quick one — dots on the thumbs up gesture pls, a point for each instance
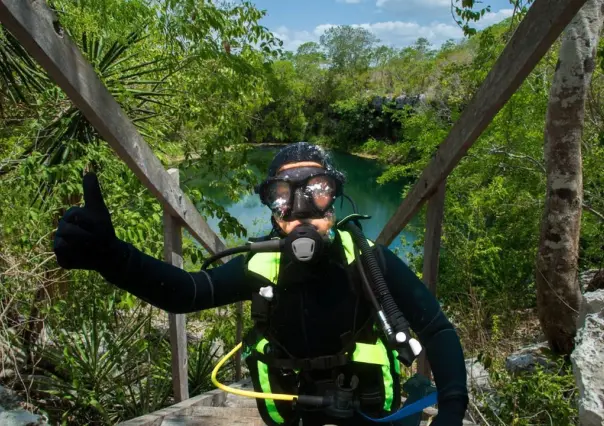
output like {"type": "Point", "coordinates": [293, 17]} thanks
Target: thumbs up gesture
{"type": "Point", "coordinates": [85, 238]}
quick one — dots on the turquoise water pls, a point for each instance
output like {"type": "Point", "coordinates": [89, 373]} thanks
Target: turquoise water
{"type": "Point", "coordinates": [378, 201]}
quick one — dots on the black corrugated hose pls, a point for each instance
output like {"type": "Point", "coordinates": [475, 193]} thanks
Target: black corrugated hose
{"type": "Point", "coordinates": [395, 317]}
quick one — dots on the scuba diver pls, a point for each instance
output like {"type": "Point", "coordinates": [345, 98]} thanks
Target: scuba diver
{"type": "Point", "coordinates": [332, 311]}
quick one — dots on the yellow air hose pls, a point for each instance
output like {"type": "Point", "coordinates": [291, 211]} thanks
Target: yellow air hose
{"type": "Point", "coordinates": [248, 394]}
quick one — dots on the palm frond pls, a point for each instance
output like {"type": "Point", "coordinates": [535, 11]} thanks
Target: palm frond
{"type": "Point", "coordinates": [18, 71]}
{"type": "Point", "coordinates": [115, 64]}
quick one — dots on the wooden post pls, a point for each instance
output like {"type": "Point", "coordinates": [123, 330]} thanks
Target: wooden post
{"type": "Point", "coordinates": [434, 219]}
{"type": "Point", "coordinates": [544, 22]}
{"type": "Point", "coordinates": [238, 337]}
{"type": "Point", "coordinates": [178, 334]}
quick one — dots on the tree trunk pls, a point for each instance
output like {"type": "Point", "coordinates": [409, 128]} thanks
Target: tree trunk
{"type": "Point", "coordinates": [558, 292]}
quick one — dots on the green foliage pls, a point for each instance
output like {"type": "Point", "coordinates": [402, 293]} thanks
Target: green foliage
{"type": "Point", "coordinates": [349, 49]}
{"type": "Point", "coordinates": [138, 87]}
{"type": "Point", "coordinates": [353, 121]}
{"type": "Point", "coordinates": [539, 397]}
{"type": "Point", "coordinates": [113, 367]}
{"type": "Point", "coordinates": [102, 366]}
{"type": "Point", "coordinates": [190, 95]}
{"type": "Point", "coordinates": [468, 11]}
{"type": "Point", "coordinates": [17, 65]}
{"type": "Point", "coordinates": [199, 80]}
{"type": "Point", "coordinates": [202, 359]}
{"type": "Point", "coordinates": [282, 120]}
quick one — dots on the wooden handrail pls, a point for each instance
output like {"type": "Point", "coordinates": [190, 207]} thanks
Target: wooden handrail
{"type": "Point", "coordinates": [544, 22]}
{"type": "Point", "coordinates": [36, 27]}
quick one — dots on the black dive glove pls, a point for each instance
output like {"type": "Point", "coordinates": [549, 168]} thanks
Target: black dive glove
{"type": "Point", "coordinates": [85, 238]}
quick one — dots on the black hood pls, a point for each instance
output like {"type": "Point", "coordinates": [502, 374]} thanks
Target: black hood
{"type": "Point", "coordinates": [303, 151]}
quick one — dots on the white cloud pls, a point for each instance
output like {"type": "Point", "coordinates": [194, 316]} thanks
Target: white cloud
{"type": "Point", "coordinates": [491, 18]}
{"type": "Point", "coordinates": [393, 33]}
{"type": "Point", "coordinates": [349, 1]}
{"type": "Point", "coordinates": [412, 5]}
{"type": "Point", "coordinates": [400, 33]}
{"type": "Point", "coordinates": [292, 39]}
{"type": "Point", "coordinates": [396, 33]}
{"type": "Point", "coordinates": [320, 29]}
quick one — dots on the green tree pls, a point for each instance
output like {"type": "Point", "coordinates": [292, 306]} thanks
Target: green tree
{"type": "Point", "coordinates": [143, 51]}
{"type": "Point", "coordinates": [468, 11]}
{"type": "Point", "coordinates": [558, 289]}
{"type": "Point", "coordinates": [349, 49]}
{"type": "Point", "coordinates": [310, 48]}
{"type": "Point", "coordinates": [282, 120]}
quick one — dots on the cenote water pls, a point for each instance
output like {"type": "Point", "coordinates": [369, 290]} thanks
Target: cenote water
{"type": "Point", "coordinates": [378, 201]}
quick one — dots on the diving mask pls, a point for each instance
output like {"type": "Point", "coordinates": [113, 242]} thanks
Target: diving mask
{"type": "Point", "coordinates": [301, 193]}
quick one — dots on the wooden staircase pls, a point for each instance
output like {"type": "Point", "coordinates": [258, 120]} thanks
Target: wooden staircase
{"type": "Point", "coordinates": [215, 408]}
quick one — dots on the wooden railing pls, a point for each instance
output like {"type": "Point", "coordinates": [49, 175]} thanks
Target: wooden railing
{"type": "Point", "coordinates": [38, 30]}
{"type": "Point", "coordinates": [542, 25]}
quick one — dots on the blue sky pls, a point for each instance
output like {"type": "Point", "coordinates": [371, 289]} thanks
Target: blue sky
{"type": "Point", "coordinates": [396, 23]}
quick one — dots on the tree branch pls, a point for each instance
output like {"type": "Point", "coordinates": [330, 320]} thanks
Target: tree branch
{"type": "Point", "coordinates": [541, 167]}
{"type": "Point", "coordinates": [592, 211]}
{"type": "Point", "coordinates": [533, 160]}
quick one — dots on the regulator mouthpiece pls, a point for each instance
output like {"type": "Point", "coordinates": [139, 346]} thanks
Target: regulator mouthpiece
{"type": "Point", "coordinates": [305, 244]}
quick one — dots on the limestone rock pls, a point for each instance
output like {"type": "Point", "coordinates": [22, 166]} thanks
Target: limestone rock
{"type": "Point", "coordinates": [588, 359]}
{"type": "Point", "coordinates": [478, 377]}
{"type": "Point", "coordinates": [591, 280]}
{"type": "Point", "coordinates": [593, 303]}
{"type": "Point", "coordinates": [20, 418]}
{"type": "Point", "coordinates": [526, 359]}
{"type": "Point", "coordinates": [597, 282]}
{"type": "Point", "coordinates": [11, 413]}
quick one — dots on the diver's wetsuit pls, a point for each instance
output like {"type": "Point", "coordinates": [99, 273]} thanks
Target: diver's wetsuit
{"type": "Point", "coordinates": [325, 308]}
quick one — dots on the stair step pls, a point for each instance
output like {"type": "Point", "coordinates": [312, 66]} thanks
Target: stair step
{"type": "Point", "coordinates": [227, 412]}
{"type": "Point", "coordinates": [211, 421]}
{"type": "Point", "coordinates": [240, 401]}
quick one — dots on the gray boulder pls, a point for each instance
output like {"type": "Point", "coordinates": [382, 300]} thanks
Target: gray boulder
{"type": "Point", "coordinates": [20, 417]}
{"type": "Point", "coordinates": [526, 359]}
{"type": "Point", "coordinates": [401, 101]}
{"type": "Point", "coordinates": [591, 280]}
{"type": "Point", "coordinates": [377, 102]}
{"type": "Point", "coordinates": [585, 277]}
{"type": "Point", "coordinates": [588, 359]}
{"type": "Point", "coordinates": [11, 413]}
{"type": "Point", "coordinates": [478, 377]}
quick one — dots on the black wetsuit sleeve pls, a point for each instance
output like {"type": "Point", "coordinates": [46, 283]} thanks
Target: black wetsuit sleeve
{"type": "Point", "coordinates": [173, 289]}
{"type": "Point", "coordinates": [435, 332]}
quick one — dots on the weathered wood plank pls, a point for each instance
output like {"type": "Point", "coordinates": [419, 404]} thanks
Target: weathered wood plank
{"type": "Point", "coordinates": [238, 337]}
{"type": "Point", "coordinates": [544, 22]}
{"type": "Point", "coordinates": [213, 398]}
{"type": "Point", "coordinates": [434, 219]}
{"type": "Point", "coordinates": [38, 30]}
{"type": "Point", "coordinates": [178, 335]}
{"type": "Point", "coordinates": [212, 421]}
{"type": "Point", "coordinates": [228, 412]}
